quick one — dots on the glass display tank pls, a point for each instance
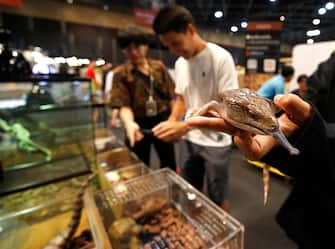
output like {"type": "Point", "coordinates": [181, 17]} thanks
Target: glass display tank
{"type": "Point", "coordinates": [46, 132]}
{"type": "Point", "coordinates": [40, 214]}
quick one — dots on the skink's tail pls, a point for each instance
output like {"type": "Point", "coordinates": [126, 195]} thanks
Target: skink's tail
{"type": "Point", "coordinates": [282, 140]}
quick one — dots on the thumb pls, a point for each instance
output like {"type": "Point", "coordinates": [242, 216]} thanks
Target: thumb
{"type": "Point", "coordinates": [296, 108]}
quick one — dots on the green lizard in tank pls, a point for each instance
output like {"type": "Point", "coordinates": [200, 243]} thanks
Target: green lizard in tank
{"type": "Point", "coordinates": [22, 136]}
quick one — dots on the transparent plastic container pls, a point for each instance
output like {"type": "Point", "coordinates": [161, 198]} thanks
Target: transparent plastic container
{"type": "Point", "coordinates": [106, 140]}
{"type": "Point", "coordinates": [126, 173]}
{"type": "Point", "coordinates": [116, 158]}
{"type": "Point", "coordinates": [159, 210]}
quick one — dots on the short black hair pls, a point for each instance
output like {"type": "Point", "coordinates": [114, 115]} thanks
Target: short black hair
{"type": "Point", "coordinates": [132, 35]}
{"type": "Point", "coordinates": [287, 71]}
{"type": "Point", "coordinates": [172, 18]}
{"type": "Point", "coordinates": [302, 77]}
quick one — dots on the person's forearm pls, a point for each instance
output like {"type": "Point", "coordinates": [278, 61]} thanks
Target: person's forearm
{"type": "Point", "coordinates": [254, 147]}
{"type": "Point", "coordinates": [172, 102]}
{"type": "Point", "coordinates": [178, 109]}
{"type": "Point", "coordinates": [126, 115]}
{"type": "Point", "coordinates": [115, 113]}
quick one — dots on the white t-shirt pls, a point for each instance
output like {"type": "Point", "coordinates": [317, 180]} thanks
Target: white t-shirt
{"type": "Point", "coordinates": [199, 80]}
{"type": "Point", "coordinates": [109, 82]}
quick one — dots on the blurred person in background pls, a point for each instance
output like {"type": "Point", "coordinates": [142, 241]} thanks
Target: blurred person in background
{"type": "Point", "coordinates": [308, 213]}
{"type": "Point", "coordinates": [91, 74]}
{"type": "Point", "coordinates": [276, 85]}
{"type": "Point", "coordinates": [302, 85]}
{"type": "Point", "coordinates": [95, 87]}
{"type": "Point", "coordinates": [202, 71]}
{"type": "Point", "coordinates": [105, 70]}
{"type": "Point", "coordinates": [143, 90]}
{"type": "Point", "coordinates": [114, 112]}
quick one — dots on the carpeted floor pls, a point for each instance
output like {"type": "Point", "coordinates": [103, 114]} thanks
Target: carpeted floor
{"type": "Point", "coordinates": [246, 196]}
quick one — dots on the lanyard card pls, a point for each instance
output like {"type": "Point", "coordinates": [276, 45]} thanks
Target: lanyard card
{"type": "Point", "coordinates": [151, 107]}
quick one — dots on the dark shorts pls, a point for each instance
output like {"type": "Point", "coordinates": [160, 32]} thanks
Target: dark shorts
{"type": "Point", "coordinates": [198, 161]}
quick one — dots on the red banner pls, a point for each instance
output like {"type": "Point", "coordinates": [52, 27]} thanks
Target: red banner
{"type": "Point", "coordinates": [15, 3]}
{"type": "Point", "coordinates": [265, 25]}
{"type": "Point", "coordinates": [144, 17]}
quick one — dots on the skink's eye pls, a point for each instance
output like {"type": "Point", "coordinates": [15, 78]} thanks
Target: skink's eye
{"type": "Point", "coordinates": [253, 115]}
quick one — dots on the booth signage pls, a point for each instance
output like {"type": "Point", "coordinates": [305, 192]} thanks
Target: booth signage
{"type": "Point", "coordinates": [262, 47]}
{"type": "Point", "coordinates": [144, 17]}
{"type": "Point", "coordinates": [145, 11]}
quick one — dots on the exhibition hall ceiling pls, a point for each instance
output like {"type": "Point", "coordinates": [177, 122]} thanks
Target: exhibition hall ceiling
{"type": "Point", "coordinates": [298, 17]}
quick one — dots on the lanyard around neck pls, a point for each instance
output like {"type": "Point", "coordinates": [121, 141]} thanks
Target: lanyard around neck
{"type": "Point", "coordinates": [151, 91]}
{"type": "Point", "coordinates": [151, 80]}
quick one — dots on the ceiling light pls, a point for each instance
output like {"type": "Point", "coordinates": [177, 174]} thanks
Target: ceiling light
{"type": "Point", "coordinates": [322, 11]}
{"type": "Point", "coordinates": [272, 1]}
{"type": "Point", "coordinates": [282, 18]}
{"type": "Point", "coordinates": [59, 60]}
{"type": "Point", "coordinates": [69, 1]}
{"type": "Point", "coordinates": [314, 32]}
{"type": "Point", "coordinates": [330, 5]}
{"type": "Point", "coordinates": [244, 24]}
{"type": "Point", "coordinates": [84, 61]}
{"type": "Point", "coordinates": [72, 61]}
{"type": "Point", "coordinates": [234, 29]}
{"type": "Point", "coordinates": [316, 21]}
{"type": "Point", "coordinates": [310, 41]}
{"type": "Point", "coordinates": [100, 62]}
{"type": "Point", "coordinates": [218, 14]}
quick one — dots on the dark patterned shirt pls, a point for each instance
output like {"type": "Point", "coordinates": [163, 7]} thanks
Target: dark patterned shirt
{"type": "Point", "coordinates": [132, 88]}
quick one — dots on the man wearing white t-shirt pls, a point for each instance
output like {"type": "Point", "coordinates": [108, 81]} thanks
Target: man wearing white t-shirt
{"type": "Point", "coordinates": [202, 71]}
